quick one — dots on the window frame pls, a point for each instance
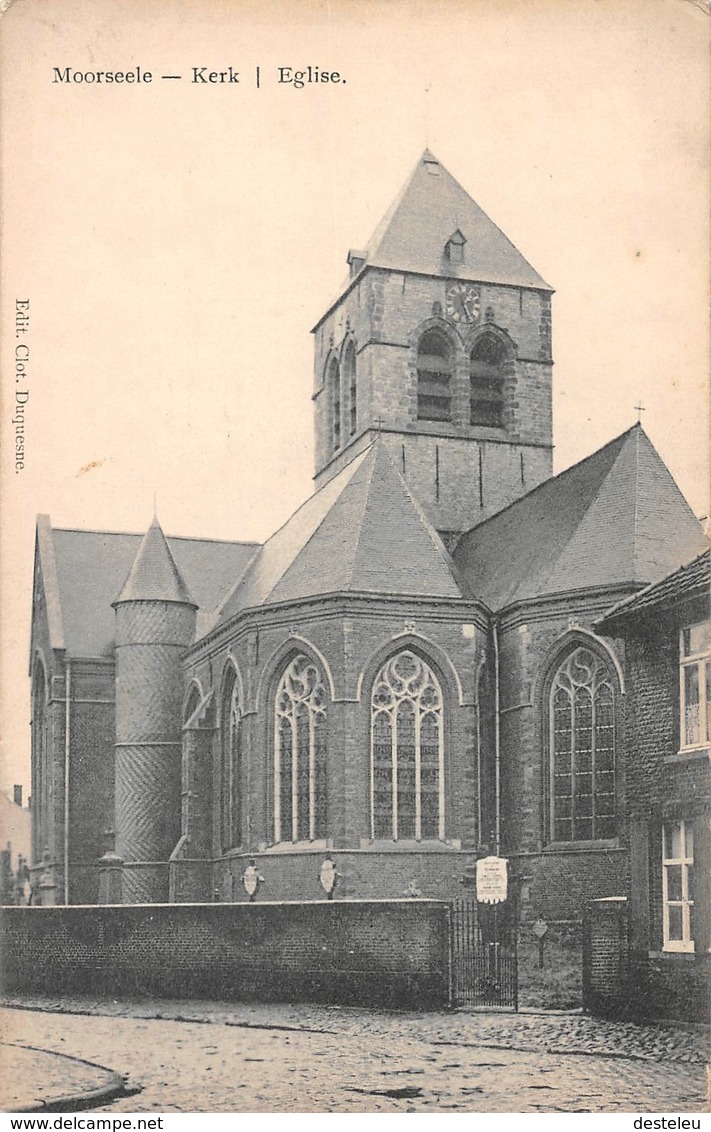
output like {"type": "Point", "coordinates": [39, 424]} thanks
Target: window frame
{"type": "Point", "coordinates": [550, 810]}
{"type": "Point", "coordinates": [685, 862]}
{"type": "Point", "coordinates": [231, 759]}
{"type": "Point", "coordinates": [392, 712]}
{"type": "Point", "coordinates": [701, 661]}
{"type": "Point", "coordinates": [316, 834]}
{"type": "Point", "coordinates": [486, 387]}
{"type": "Point", "coordinates": [435, 384]}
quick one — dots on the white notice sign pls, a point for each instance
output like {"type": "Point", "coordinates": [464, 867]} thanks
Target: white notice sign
{"type": "Point", "coordinates": [491, 880]}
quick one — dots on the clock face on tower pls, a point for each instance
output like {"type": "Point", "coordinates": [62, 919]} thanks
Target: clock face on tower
{"type": "Point", "coordinates": [462, 302]}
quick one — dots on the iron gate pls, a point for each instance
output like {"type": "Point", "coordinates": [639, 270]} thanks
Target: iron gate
{"type": "Point", "coordinates": [484, 959]}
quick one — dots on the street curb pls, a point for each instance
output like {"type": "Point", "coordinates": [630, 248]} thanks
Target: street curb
{"type": "Point", "coordinates": [114, 1088]}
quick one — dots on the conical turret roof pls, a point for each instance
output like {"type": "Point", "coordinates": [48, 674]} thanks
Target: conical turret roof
{"type": "Point", "coordinates": [154, 575]}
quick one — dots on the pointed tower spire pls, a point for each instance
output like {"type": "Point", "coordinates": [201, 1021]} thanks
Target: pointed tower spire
{"type": "Point", "coordinates": [154, 575]}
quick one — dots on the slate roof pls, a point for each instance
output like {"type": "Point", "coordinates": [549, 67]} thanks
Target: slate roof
{"type": "Point", "coordinates": [154, 575]}
{"type": "Point", "coordinates": [85, 571]}
{"type": "Point", "coordinates": [431, 207]}
{"type": "Point", "coordinates": [615, 518]}
{"type": "Point", "coordinates": [361, 532]}
{"type": "Point", "coordinates": [692, 580]}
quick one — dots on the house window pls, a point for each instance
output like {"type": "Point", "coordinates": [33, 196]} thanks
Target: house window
{"type": "Point", "coordinates": [349, 382]}
{"type": "Point", "coordinates": [300, 752]}
{"type": "Point", "coordinates": [582, 750]}
{"type": "Point", "coordinates": [486, 381]}
{"type": "Point", "coordinates": [677, 886]}
{"type": "Point", "coordinates": [434, 372]}
{"type": "Point", "coordinates": [407, 751]}
{"type": "Point", "coordinates": [231, 768]}
{"type": "Point", "coordinates": [695, 685]}
{"type": "Point", "coordinates": [334, 387]}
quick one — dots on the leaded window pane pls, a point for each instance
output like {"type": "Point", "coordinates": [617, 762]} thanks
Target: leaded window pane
{"type": "Point", "coordinates": [301, 751]}
{"type": "Point", "coordinates": [692, 733]}
{"type": "Point", "coordinates": [382, 801]}
{"type": "Point", "coordinates": [582, 792]}
{"type": "Point", "coordinates": [231, 766]}
{"type": "Point", "coordinates": [407, 751]}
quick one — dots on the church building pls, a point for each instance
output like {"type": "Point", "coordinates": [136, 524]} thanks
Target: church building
{"type": "Point", "coordinates": [410, 673]}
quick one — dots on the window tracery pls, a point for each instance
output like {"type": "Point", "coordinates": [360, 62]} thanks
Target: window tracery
{"type": "Point", "coordinates": [582, 749]}
{"type": "Point", "coordinates": [300, 753]}
{"type": "Point", "coordinates": [407, 751]}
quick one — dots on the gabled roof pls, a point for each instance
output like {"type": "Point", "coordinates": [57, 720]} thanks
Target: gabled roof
{"type": "Point", "coordinates": [431, 207]}
{"type": "Point", "coordinates": [361, 532]}
{"type": "Point", "coordinates": [83, 572]}
{"type": "Point", "coordinates": [154, 575]}
{"type": "Point", "coordinates": [690, 581]}
{"type": "Point", "coordinates": [615, 518]}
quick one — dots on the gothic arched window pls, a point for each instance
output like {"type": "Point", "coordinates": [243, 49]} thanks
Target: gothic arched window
{"type": "Point", "coordinates": [486, 381]}
{"type": "Point", "coordinates": [231, 728]}
{"type": "Point", "coordinates": [407, 751]}
{"type": "Point", "coordinates": [582, 749]}
{"type": "Point", "coordinates": [300, 753]}
{"type": "Point", "coordinates": [350, 384]}
{"type": "Point", "coordinates": [334, 393]}
{"type": "Point", "coordinates": [435, 365]}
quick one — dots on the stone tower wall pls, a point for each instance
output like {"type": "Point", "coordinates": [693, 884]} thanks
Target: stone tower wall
{"type": "Point", "coordinates": [151, 637]}
{"type": "Point", "coordinates": [461, 473]}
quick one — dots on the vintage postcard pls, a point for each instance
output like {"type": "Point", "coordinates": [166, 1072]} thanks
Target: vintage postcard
{"type": "Point", "coordinates": [355, 681]}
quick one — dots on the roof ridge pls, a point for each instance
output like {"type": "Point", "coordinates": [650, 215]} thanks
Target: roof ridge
{"type": "Point", "coordinates": [429, 529]}
{"type": "Point", "coordinates": [325, 516]}
{"type": "Point", "coordinates": [141, 534]}
{"type": "Point", "coordinates": [366, 497]}
{"type": "Point", "coordinates": [254, 561]}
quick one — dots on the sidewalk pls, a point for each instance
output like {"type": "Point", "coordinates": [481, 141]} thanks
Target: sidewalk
{"type": "Point", "coordinates": [529, 1031]}
{"type": "Point", "coordinates": [35, 1080]}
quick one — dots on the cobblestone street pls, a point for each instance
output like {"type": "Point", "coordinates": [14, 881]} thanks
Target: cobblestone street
{"type": "Point", "coordinates": [245, 1058]}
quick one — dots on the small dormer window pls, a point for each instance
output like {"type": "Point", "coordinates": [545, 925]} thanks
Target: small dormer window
{"type": "Point", "coordinates": [454, 248]}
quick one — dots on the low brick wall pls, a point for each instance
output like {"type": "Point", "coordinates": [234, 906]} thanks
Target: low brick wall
{"type": "Point", "coordinates": [622, 983]}
{"type": "Point", "coordinates": [377, 953]}
{"type": "Point", "coordinates": [606, 981]}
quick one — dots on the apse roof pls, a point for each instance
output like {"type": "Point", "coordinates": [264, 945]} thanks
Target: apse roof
{"type": "Point", "coordinates": [615, 518]}
{"type": "Point", "coordinates": [361, 532]}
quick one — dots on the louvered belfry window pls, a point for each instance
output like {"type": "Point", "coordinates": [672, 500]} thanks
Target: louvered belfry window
{"type": "Point", "coordinates": [407, 751]}
{"type": "Point", "coordinates": [486, 381]}
{"type": "Point", "coordinates": [300, 753]}
{"type": "Point", "coordinates": [434, 375]}
{"type": "Point", "coordinates": [582, 759]}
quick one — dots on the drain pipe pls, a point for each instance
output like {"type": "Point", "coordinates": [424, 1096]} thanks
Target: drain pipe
{"type": "Point", "coordinates": [67, 696]}
{"type": "Point", "coordinates": [497, 735]}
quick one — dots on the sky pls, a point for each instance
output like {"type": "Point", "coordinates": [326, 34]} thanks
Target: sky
{"type": "Point", "coordinates": [178, 240]}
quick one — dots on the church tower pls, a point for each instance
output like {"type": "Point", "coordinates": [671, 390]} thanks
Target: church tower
{"type": "Point", "coordinates": [155, 623]}
{"type": "Point", "coordinates": [441, 341]}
